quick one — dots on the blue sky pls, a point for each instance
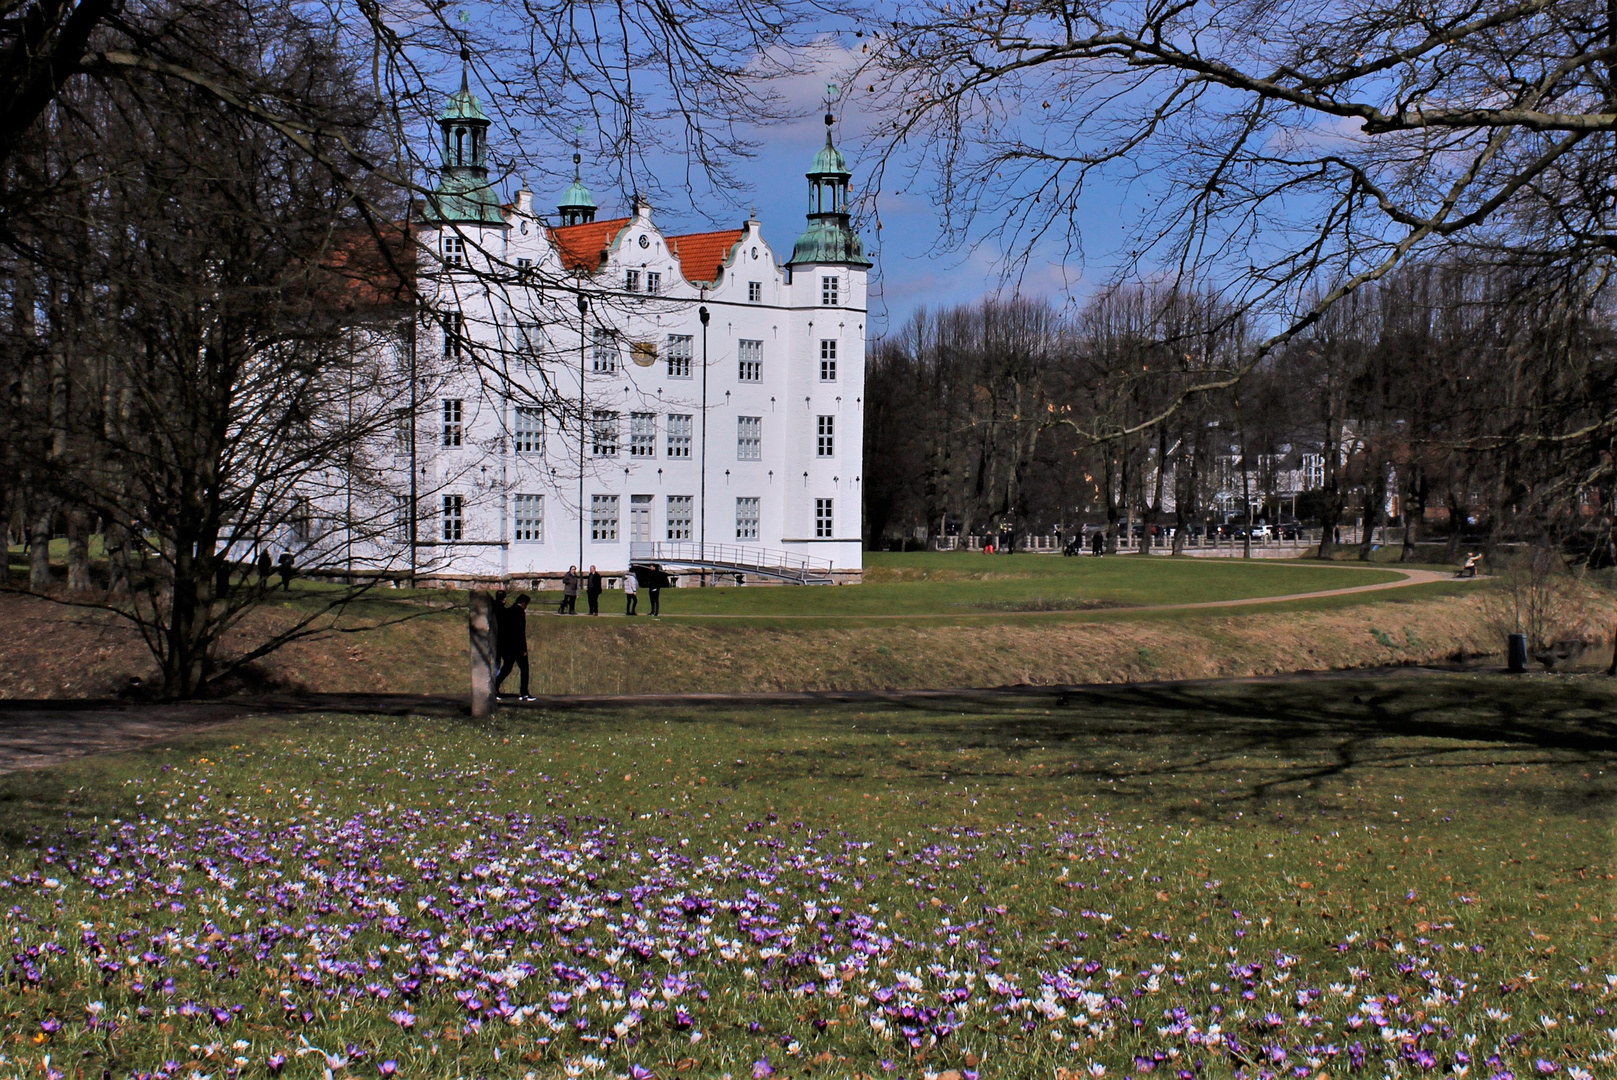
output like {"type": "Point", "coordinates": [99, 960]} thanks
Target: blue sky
{"type": "Point", "coordinates": [912, 269]}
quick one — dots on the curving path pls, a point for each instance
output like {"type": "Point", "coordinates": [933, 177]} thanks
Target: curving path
{"type": "Point", "coordinates": [1410, 577]}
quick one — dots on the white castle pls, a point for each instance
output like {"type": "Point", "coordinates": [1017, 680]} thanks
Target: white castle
{"type": "Point", "coordinates": [602, 393]}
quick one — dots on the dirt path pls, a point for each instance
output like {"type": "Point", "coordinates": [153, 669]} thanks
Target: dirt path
{"type": "Point", "coordinates": [1411, 577]}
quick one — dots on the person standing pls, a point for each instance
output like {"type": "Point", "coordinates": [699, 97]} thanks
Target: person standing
{"type": "Point", "coordinates": [1097, 543]}
{"type": "Point", "coordinates": [286, 570]}
{"type": "Point", "coordinates": [569, 592]}
{"type": "Point", "coordinates": [592, 590]}
{"type": "Point", "coordinates": [266, 567]}
{"type": "Point", "coordinates": [655, 580]}
{"type": "Point", "coordinates": [631, 589]}
{"type": "Point", "coordinates": [512, 643]}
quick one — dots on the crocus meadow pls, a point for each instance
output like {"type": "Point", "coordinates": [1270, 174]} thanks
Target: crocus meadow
{"type": "Point", "coordinates": [357, 898]}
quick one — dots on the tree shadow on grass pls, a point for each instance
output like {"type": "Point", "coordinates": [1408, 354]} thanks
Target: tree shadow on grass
{"type": "Point", "coordinates": [1158, 740]}
{"type": "Point", "coordinates": [1291, 735]}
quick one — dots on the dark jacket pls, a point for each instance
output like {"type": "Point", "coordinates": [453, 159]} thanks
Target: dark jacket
{"type": "Point", "coordinates": [652, 578]}
{"type": "Point", "coordinates": [512, 626]}
{"type": "Point", "coordinates": [594, 587]}
{"type": "Point", "coordinates": [569, 584]}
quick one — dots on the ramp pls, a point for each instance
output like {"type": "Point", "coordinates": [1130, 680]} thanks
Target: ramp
{"type": "Point", "coordinates": [786, 566]}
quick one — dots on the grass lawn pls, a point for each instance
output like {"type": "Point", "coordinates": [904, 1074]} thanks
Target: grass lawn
{"type": "Point", "coordinates": [973, 584]}
{"type": "Point", "coordinates": [970, 583]}
{"type": "Point", "coordinates": [1397, 877]}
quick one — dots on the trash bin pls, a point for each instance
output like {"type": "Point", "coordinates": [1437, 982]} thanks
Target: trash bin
{"type": "Point", "coordinates": [1517, 654]}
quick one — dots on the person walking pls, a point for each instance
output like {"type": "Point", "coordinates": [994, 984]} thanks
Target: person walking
{"type": "Point", "coordinates": [1097, 543]}
{"type": "Point", "coordinates": [631, 589]}
{"type": "Point", "coordinates": [286, 570]}
{"type": "Point", "coordinates": [511, 643]}
{"type": "Point", "coordinates": [592, 590]}
{"type": "Point", "coordinates": [569, 592]}
{"type": "Point", "coordinates": [266, 567]}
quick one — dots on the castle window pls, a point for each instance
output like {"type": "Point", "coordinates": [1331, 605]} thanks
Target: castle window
{"type": "Point", "coordinates": [654, 282]}
{"type": "Point", "coordinates": [755, 292]}
{"type": "Point", "coordinates": [604, 434]}
{"type": "Point", "coordinates": [454, 251]}
{"type": "Point", "coordinates": [825, 444]}
{"type": "Point", "coordinates": [749, 438]}
{"type": "Point", "coordinates": [747, 518]}
{"type": "Point", "coordinates": [828, 360]}
{"type": "Point", "coordinates": [604, 356]}
{"type": "Point", "coordinates": [454, 421]}
{"type": "Point", "coordinates": [454, 334]}
{"type": "Point", "coordinates": [679, 356]}
{"type": "Point", "coordinates": [681, 513]}
{"type": "Point", "coordinates": [750, 361]}
{"type": "Point", "coordinates": [829, 289]}
{"type": "Point", "coordinates": [679, 435]}
{"type": "Point", "coordinates": [454, 522]}
{"type": "Point", "coordinates": [528, 432]}
{"type": "Point", "coordinates": [643, 434]}
{"type": "Point", "coordinates": [604, 518]}
{"type": "Point", "coordinates": [631, 281]}
{"type": "Point", "coordinates": [530, 518]}
{"type": "Point", "coordinates": [823, 520]}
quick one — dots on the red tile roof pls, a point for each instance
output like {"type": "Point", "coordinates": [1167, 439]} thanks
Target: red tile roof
{"type": "Point", "coordinates": [702, 254]}
{"type": "Point", "coordinates": [365, 270]}
{"type": "Point", "coordinates": [583, 247]}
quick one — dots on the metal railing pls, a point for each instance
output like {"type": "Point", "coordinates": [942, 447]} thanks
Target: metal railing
{"type": "Point", "coordinates": [735, 558]}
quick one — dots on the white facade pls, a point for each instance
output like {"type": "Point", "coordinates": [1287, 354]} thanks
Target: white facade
{"type": "Point", "coordinates": [548, 437]}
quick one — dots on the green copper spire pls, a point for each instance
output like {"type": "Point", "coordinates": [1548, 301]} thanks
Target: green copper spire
{"type": "Point", "coordinates": [829, 237]}
{"type": "Point", "coordinates": [577, 205]}
{"type": "Point", "coordinates": [463, 195]}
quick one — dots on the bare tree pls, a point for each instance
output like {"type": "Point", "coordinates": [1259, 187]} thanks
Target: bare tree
{"type": "Point", "coordinates": [1279, 144]}
{"type": "Point", "coordinates": [215, 339]}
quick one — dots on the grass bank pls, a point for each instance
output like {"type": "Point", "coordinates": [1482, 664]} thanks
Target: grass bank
{"type": "Point", "coordinates": [56, 652]}
{"type": "Point", "coordinates": [834, 638]}
{"type": "Point", "coordinates": [1379, 877]}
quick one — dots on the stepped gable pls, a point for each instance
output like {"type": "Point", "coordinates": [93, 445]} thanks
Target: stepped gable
{"type": "Point", "coordinates": [584, 247]}
{"type": "Point", "coordinates": [702, 256]}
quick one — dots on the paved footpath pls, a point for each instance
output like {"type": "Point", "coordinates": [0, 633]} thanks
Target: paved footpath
{"type": "Point", "coordinates": [1410, 577]}
{"type": "Point", "coordinates": [34, 734]}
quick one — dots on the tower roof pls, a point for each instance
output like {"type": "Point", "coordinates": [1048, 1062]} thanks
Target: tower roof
{"type": "Point", "coordinates": [464, 195]}
{"type": "Point", "coordinates": [577, 196]}
{"type": "Point", "coordinates": [829, 237]}
{"type": "Point", "coordinates": [829, 161]}
{"type": "Point", "coordinates": [463, 104]}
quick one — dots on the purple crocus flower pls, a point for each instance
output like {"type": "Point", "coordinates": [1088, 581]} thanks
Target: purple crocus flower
{"type": "Point", "coordinates": [276, 1063]}
{"type": "Point", "coordinates": [762, 1070]}
{"type": "Point", "coordinates": [388, 1067]}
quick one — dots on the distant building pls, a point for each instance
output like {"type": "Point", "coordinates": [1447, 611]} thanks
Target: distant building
{"type": "Point", "coordinates": [590, 388]}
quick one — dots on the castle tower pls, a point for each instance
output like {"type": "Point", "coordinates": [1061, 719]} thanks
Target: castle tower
{"type": "Point", "coordinates": [463, 195]}
{"type": "Point", "coordinates": [829, 238]}
{"type": "Point", "coordinates": [577, 206]}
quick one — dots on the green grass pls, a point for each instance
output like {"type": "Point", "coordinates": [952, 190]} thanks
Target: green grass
{"type": "Point", "coordinates": [1414, 866]}
{"type": "Point", "coordinates": [969, 583]}
{"type": "Point", "coordinates": [973, 584]}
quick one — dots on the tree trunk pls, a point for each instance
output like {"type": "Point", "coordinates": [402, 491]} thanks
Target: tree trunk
{"type": "Point", "coordinates": [39, 552]}
{"type": "Point", "coordinates": [1375, 499]}
{"type": "Point", "coordinates": [116, 539]}
{"type": "Point", "coordinates": [78, 550]}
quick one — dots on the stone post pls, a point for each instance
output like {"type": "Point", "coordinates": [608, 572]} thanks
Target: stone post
{"type": "Point", "coordinates": [484, 652]}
